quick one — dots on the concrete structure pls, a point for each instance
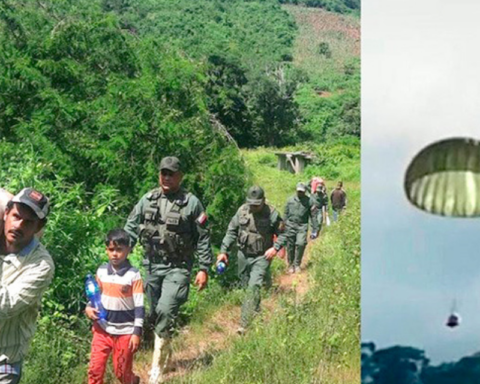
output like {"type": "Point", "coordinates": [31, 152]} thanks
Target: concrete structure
{"type": "Point", "coordinates": [294, 162]}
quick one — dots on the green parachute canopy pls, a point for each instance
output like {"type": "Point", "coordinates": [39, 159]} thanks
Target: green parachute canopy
{"type": "Point", "coordinates": [444, 178]}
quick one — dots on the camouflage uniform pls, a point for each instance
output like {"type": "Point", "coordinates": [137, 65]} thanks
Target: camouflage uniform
{"type": "Point", "coordinates": [318, 200]}
{"type": "Point", "coordinates": [298, 210]}
{"type": "Point", "coordinates": [253, 233]}
{"type": "Point", "coordinates": [171, 228]}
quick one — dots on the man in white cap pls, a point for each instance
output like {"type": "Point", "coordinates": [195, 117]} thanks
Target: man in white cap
{"type": "Point", "coordinates": [298, 211]}
{"type": "Point", "coordinates": [26, 271]}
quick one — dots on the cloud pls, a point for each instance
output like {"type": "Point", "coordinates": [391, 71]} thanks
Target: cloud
{"type": "Point", "coordinates": [420, 80]}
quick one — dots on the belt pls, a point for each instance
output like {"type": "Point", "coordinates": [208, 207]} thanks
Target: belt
{"type": "Point", "coordinates": [164, 259]}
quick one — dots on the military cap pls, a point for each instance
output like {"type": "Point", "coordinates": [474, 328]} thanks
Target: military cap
{"type": "Point", "coordinates": [255, 195]}
{"type": "Point", "coordinates": [171, 163]}
{"type": "Point", "coordinates": [35, 200]}
{"type": "Point", "coordinates": [301, 187]}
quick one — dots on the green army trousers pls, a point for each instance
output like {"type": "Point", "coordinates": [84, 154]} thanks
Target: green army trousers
{"type": "Point", "coordinates": [167, 289]}
{"type": "Point", "coordinates": [296, 243]}
{"type": "Point", "coordinates": [252, 272]}
{"type": "Point", "coordinates": [319, 220]}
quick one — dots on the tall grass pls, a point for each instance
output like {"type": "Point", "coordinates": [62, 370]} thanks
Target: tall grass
{"type": "Point", "coordinates": [303, 342]}
{"type": "Point", "coordinates": [314, 340]}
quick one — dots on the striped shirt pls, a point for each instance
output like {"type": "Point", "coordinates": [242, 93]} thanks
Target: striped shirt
{"type": "Point", "coordinates": [11, 369]}
{"type": "Point", "coordinates": [24, 277]}
{"type": "Point", "coordinates": [122, 298]}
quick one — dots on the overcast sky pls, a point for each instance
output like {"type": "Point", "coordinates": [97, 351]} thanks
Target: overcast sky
{"type": "Point", "coordinates": [420, 84]}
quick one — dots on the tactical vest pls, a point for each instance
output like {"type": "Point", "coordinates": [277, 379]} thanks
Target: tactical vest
{"type": "Point", "coordinates": [256, 233]}
{"type": "Point", "coordinates": [299, 211]}
{"type": "Point", "coordinates": [165, 235]}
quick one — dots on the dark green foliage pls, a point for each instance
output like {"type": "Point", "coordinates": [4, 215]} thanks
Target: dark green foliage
{"type": "Point", "coordinates": [242, 43]}
{"type": "Point", "coordinates": [60, 351]}
{"type": "Point", "coordinates": [87, 110]}
{"type": "Point", "coordinates": [324, 49]}
{"type": "Point", "coordinates": [341, 6]}
{"type": "Point", "coordinates": [327, 118]}
{"type": "Point", "coordinates": [103, 106]}
{"type": "Point", "coordinates": [273, 98]}
{"type": "Point", "coordinates": [336, 160]}
{"type": "Point", "coordinates": [407, 365]}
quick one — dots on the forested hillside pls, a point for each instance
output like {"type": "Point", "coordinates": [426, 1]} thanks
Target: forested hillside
{"type": "Point", "coordinates": [255, 87]}
{"type": "Point", "coordinates": [94, 93]}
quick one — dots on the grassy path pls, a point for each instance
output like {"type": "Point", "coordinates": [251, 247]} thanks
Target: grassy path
{"type": "Point", "coordinates": [196, 347]}
{"type": "Point", "coordinates": [308, 329]}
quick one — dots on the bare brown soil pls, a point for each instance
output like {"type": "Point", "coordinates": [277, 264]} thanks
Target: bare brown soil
{"type": "Point", "coordinates": [324, 93]}
{"type": "Point", "coordinates": [324, 23]}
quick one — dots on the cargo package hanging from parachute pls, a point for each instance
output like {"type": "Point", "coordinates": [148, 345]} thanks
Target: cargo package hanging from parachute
{"type": "Point", "coordinates": [444, 179]}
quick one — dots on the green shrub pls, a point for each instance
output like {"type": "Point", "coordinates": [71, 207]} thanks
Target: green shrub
{"type": "Point", "coordinates": [59, 352]}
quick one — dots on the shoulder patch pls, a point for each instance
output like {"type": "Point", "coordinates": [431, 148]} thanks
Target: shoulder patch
{"type": "Point", "coordinates": [154, 194]}
{"type": "Point", "coordinates": [182, 201]}
{"type": "Point", "coordinates": [202, 219]}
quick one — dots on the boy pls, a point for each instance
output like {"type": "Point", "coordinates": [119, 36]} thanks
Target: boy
{"type": "Point", "coordinates": [122, 297]}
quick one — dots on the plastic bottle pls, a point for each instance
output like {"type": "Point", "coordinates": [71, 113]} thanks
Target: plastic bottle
{"type": "Point", "coordinates": [221, 267]}
{"type": "Point", "coordinates": [93, 294]}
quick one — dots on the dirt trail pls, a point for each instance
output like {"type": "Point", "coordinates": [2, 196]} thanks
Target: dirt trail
{"type": "Point", "coordinates": [193, 349]}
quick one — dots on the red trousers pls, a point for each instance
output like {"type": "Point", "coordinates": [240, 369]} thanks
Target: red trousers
{"type": "Point", "coordinates": [102, 345]}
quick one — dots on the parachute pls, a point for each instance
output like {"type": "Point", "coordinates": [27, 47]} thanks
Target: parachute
{"type": "Point", "coordinates": [444, 178]}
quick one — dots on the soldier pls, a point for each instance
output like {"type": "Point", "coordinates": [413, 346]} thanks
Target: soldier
{"type": "Point", "coordinates": [319, 199]}
{"type": "Point", "coordinates": [172, 226]}
{"type": "Point", "coordinates": [253, 228]}
{"type": "Point", "coordinates": [298, 210]}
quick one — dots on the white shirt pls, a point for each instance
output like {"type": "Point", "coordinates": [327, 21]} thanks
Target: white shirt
{"type": "Point", "coordinates": [24, 277]}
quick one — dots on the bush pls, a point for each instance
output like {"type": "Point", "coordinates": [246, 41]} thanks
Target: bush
{"type": "Point", "coordinates": [59, 352]}
{"type": "Point", "coordinates": [87, 111]}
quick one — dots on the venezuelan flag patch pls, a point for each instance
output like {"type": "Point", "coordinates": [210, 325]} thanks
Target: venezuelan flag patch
{"type": "Point", "coordinates": [202, 219]}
